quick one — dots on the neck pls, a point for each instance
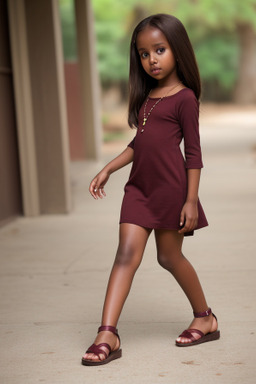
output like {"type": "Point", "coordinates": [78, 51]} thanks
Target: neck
{"type": "Point", "coordinates": [166, 90]}
{"type": "Point", "coordinates": [168, 83]}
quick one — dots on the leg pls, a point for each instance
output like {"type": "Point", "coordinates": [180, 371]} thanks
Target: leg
{"type": "Point", "coordinates": [170, 257]}
{"type": "Point", "coordinates": [132, 242]}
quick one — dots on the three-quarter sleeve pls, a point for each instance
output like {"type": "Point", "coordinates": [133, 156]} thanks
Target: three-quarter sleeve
{"type": "Point", "coordinates": [188, 114]}
{"type": "Point", "coordinates": [131, 144]}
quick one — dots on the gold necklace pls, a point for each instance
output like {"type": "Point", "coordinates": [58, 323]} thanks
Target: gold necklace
{"type": "Point", "coordinates": [145, 118]}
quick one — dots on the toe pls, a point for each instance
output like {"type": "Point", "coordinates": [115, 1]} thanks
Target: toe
{"type": "Point", "coordinates": [183, 340]}
{"type": "Point", "coordinates": [90, 356]}
{"type": "Point", "coordinates": [95, 358]}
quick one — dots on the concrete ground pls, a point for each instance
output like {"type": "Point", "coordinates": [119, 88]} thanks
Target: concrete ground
{"type": "Point", "coordinates": [54, 270]}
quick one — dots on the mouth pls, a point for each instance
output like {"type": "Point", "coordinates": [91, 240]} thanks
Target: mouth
{"type": "Point", "coordinates": [155, 71]}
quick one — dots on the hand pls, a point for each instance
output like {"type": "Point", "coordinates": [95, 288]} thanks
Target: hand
{"type": "Point", "coordinates": [188, 217]}
{"type": "Point", "coordinates": [96, 187]}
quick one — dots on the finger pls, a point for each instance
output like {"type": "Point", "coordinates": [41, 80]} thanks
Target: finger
{"type": "Point", "coordinates": [95, 193]}
{"type": "Point", "coordinates": [182, 218]}
{"type": "Point", "coordinates": [183, 230]}
{"type": "Point", "coordinates": [186, 227]}
{"type": "Point", "coordinates": [182, 222]}
{"type": "Point", "coordinates": [102, 192]}
{"type": "Point", "coordinates": [193, 225]}
{"type": "Point", "coordinates": [99, 192]}
{"type": "Point", "coordinates": [93, 189]}
{"type": "Point", "coordinates": [189, 224]}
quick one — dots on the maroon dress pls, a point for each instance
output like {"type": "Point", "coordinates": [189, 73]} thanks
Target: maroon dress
{"type": "Point", "coordinates": [157, 187]}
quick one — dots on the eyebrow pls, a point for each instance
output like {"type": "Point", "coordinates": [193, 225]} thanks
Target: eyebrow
{"type": "Point", "coordinates": [154, 45]}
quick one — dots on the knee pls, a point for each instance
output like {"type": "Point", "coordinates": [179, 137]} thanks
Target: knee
{"type": "Point", "coordinates": [164, 261]}
{"type": "Point", "coordinates": [168, 261]}
{"type": "Point", "coordinates": [127, 257]}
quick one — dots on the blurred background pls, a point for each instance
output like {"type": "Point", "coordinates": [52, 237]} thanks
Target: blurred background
{"type": "Point", "coordinates": [64, 80]}
{"type": "Point", "coordinates": [63, 115]}
{"type": "Point", "coordinates": [222, 33]}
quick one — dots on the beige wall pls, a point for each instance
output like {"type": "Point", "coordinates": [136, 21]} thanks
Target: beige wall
{"type": "Point", "coordinates": [49, 104]}
{"type": "Point", "coordinates": [10, 190]}
{"type": "Point", "coordinates": [38, 104]}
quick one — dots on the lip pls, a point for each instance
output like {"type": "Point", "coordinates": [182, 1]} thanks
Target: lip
{"type": "Point", "coordinates": [155, 71]}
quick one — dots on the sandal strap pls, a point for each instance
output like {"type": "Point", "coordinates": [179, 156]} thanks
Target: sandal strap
{"type": "Point", "coordinates": [203, 314]}
{"type": "Point", "coordinates": [188, 334]}
{"type": "Point", "coordinates": [110, 329]}
{"type": "Point", "coordinates": [97, 350]}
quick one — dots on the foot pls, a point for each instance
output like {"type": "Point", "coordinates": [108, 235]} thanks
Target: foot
{"type": "Point", "coordinates": [207, 324]}
{"type": "Point", "coordinates": [103, 337]}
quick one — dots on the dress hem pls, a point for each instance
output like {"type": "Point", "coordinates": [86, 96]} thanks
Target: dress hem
{"type": "Point", "coordinates": [191, 233]}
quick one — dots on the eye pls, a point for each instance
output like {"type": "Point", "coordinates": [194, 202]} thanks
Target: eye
{"type": "Point", "coordinates": [160, 50]}
{"type": "Point", "coordinates": [144, 55]}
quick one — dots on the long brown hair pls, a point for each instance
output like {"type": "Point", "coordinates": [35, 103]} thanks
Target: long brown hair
{"type": "Point", "coordinates": [140, 83]}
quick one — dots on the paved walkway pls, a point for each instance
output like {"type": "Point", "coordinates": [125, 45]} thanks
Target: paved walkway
{"type": "Point", "coordinates": [54, 270]}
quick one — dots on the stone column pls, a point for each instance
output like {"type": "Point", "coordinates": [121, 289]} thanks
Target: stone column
{"type": "Point", "coordinates": [24, 109]}
{"type": "Point", "coordinates": [44, 127]}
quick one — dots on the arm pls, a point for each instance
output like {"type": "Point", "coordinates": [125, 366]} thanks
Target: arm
{"type": "Point", "coordinates": [189, 213]}
{"type": "Point", "coordinates": [99, 181]}
{"type": "Point", "coordinates": [188, 112]}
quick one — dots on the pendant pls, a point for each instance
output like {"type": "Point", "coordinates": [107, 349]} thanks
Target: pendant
{"type": "Point", "coordinates": [142, 130]}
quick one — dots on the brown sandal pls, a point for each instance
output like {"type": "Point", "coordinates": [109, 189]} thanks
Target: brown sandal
{"type": "Point", "coordinates": [97, 349]}
{"type": "Point", "coordinates": [188, 333]}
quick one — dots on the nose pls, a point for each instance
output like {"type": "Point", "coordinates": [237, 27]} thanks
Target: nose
{"type": "Point", "coordinates": [152, 58]}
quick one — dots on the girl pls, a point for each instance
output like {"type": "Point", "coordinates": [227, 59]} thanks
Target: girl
{"type": "Point", "coordinates": [162, 191]}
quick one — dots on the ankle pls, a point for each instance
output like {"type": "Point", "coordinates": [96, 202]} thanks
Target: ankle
{"type": "Point", "coordinates": [206, 313]}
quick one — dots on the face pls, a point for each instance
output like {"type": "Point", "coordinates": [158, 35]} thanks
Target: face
{"type": "Point", "coordinates": [156, 55]}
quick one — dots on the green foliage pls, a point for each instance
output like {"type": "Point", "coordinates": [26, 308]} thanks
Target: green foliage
{"type": "Point", "coordinates": [212, 26]}
{"type": "Point", "coordinates": [112, 44]}
{"type": "Point", "coordinates": [113, 136]}
{"type": "Point", "coordinates": [112, 55]}
{"type": "Point", "coordinates": [68, 29]}
{"type": "Point", "coordinates": [217, 58]}
{"type": "Point", "coordinates": [226, 14]}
